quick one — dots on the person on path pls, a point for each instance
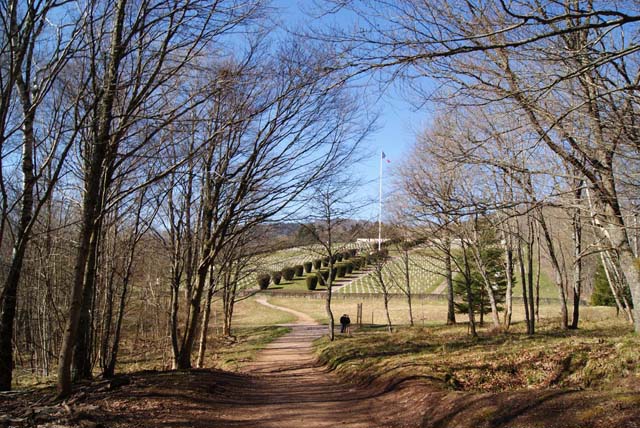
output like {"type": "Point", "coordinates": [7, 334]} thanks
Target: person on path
{"type": "Point", "coordinates": [344, 323]}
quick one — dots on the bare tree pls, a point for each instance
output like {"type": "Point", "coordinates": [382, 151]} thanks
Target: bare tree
{"type": "Point", "coordinates": [144, 60]}
{"type": "Point", "coordinates": [565, 68]}
{"type": "Point", "coordinates": [36, 53]}
{"type": "Point", "coordinates": [284, 121]}
{"type": "Point", "coordinates": [331, 203]}
{"type": "Point", "coordinates": [383, 284]}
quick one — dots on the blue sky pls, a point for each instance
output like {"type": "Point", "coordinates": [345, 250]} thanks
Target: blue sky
{"type": "Point", "coordinates": [397, 126]}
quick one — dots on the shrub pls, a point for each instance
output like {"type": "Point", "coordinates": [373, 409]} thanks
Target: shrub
{"type": "Point", "coordinates": [299, 270]}
{"type": "Point", "coordinates": [339, 257]}
{"type": "Point", "coordinates": [288, 273]}
{"type": "Point", "coordinates": [353, 252]}
{"type": "Point", "coordinates": [325, 261]}
{"type": "Point", "coordinates": [334, 272]}
{"type": "Point", "coordinates": [349, 266]}
{"type": "Point", "coordinates": [307, 266]}
{"type": "Point", "coordinates": [346, 255]}
{"type": "Point", "coordinates": [263, 281]}
{"type": "Point", "coordinates": [384, 253]}
{"type": "Point", "coordinates": [312, 281]}
{"type": "Point", "coordinates": [317, 264]}
{"type": "Point", "coordinates": [324, 273]}
{"type": "Point", "coordinates": [355, 262]}
{"type": "Point", "coordinates": [276, 276]}
{"type": "Point", "coordinates": [341, 270]}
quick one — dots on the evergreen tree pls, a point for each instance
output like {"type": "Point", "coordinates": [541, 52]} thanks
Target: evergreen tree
{"type": "Point", "coordinates": [492, 255]}
{"type": "Point", "coordinates": [602, 294]}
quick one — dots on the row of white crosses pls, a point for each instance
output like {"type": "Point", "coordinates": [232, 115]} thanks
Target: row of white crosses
{"type": "Point", "coordinates": [423, 275]}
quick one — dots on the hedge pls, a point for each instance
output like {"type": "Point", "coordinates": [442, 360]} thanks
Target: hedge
{"type": "Point", "coordinates": [317, 264]}
{"type": "Point", "coordinates": [263, 281]}
{"type": "Point", "coordinates": [276, 276]}
{"type": "Point", "coordinates": [312, 281]}
{"type": "Point", "coordinates": [356, 262]}
{"type": "Point", "coordinates": [349, 266]}
{"type": "Point", "coordinates": [299, 270]}
{"type": "Point", "coordinates": [341, 270]}
{"type": "Point", "coordinates": [288, 273]}
{"type": "Point", "coordinates": [307, 266]}
{"type": "Point", "coordinates": [324, 273]}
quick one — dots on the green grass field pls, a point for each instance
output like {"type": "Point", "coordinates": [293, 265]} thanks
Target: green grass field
{"type": "Point", "coordinates": [425, 274]}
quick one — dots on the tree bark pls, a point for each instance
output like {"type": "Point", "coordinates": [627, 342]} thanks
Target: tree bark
{"type": "Point", "coordinates": [448, 272]}
{"type": "Point", "coordinates": [564, 314]}
{"type": "Point", "coordinates": [577, 265]}
{"type": "Point", "coordinates": [204, 329]}
{"type": "Point", "coordinates": [509, 270]}
{"type": "Point", "coordinates": [407, 284]}
{"type": "Point", "coordinates": [82, 364]}
{"type": "Point", "coordinates": [467, 281]}
{"type": "Point", "coordinates": [91, 200]}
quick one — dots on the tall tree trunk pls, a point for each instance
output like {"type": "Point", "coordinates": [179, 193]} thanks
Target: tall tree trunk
{"type": "Point", "coordinates": [191, 328]}
{"type": "Point", "coordinates": [530, 244]}
{"type": "Point", "coordinates": [91, 199]}
{"type": "Point", "coordinates": [564, 314]}
{"type": "Point", "coordinates": [509, 292]}
{"type": "Point", "coordinates": [327, 303]}
{"type": "Point", "coordinates": [448, 273]}
{"type": "Point", "coordinates": [173, 319]}
{"type": "Point", "coordinates": [577, 266]}
{"type": "Point", "coordinates": [386, 311]}
{"type": "Point", "coordinates": [523, 280]}
{"type": "Point", "coordinates": [82, 364]}
{"type": "Point", "coordinates": [204, 329]}
{"type": "Point", "coordinates": [467, 282]}
{"type": "Point", "coordinates": [110, 368]}
{"type": "Point", "coordinates": [10, 286]}
{"type": "Point", "coordinates": [407, 284]}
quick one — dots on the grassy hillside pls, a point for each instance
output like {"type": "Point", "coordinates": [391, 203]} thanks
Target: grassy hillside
{"type": "Point", "coordinates": [602, 352]}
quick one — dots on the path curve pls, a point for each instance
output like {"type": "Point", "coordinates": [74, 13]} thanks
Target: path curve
{"type": "Point", "coordinates": [284, 387]}
{"type": "Point", "coordinates": [301, 392]}
{"type": "Point", "coordinates": [302, 317]}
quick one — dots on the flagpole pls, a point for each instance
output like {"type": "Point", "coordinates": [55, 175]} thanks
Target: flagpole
{"type": "Point", "coordinates": [380, 205]}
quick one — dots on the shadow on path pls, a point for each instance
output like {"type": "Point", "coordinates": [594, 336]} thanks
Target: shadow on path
{"type": "Point", "coordinates": [284, 387]}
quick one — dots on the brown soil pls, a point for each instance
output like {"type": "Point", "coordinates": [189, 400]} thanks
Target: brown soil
{"type": "Point", "coordinates": [286, 387]}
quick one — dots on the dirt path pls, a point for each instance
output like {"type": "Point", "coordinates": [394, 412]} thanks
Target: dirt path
{"type": "Point", "coordinates": [293, 386]}
{"type": "Point", "coordinates": [284, 387]}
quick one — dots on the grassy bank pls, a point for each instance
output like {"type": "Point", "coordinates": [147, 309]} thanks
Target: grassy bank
{"type": "Point", "coordinates": [601, 353]}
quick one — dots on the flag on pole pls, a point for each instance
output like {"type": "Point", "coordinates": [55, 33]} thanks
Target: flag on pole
{"type": "Point", "coordinates": [384, 156]}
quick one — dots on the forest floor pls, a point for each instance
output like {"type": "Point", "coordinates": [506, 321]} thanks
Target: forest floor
{"type": "Point", "coordinates": [285, 386]}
